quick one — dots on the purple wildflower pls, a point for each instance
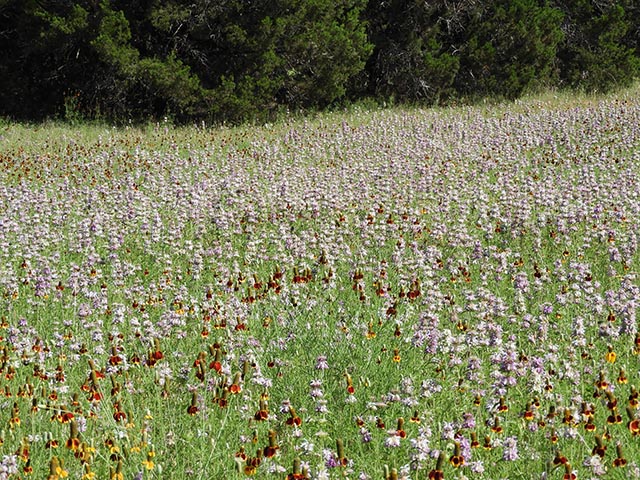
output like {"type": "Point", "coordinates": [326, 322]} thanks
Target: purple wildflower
{"type": "Point", "coordinates": [469, 420]}
{"type": "Point", "coordinates": [510, 449]}
{"type": "Point", "coordinates": [321, 363]}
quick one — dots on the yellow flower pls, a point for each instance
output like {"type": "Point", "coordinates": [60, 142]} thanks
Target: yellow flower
{"type": "Point", "coordinates": [116, 474]}
{"type": "Point", "coordinates": [88, 475]}
{"type": "Point", "coordinates": [370, 333]}
{"type": "Point", "coordinates": [610, 355]}
{"type": "Point", "coordinates": [396, 355]}
{"type": "Point", "coordinates": [148, 463]}
{"type": "Point", "coordinates": [56, 472]}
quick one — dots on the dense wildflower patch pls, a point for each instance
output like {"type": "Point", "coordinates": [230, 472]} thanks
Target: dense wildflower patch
{"type": "Point", "coordinates": [403, 294]}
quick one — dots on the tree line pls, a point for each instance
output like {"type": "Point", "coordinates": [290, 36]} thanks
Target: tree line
{"type": "Point", "coordinates": [238, 60]}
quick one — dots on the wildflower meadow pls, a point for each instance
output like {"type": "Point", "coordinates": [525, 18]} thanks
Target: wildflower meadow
{"type": "Point", "coordinates": [393, 294]}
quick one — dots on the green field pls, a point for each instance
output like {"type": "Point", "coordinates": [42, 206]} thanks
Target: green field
{"type": "Point", "coordinates": [403, 293]}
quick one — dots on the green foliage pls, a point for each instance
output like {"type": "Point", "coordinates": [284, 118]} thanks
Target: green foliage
{"type": "Point", "coordinates": [151, 85]}
{"type": "Point", "coordinates": [169, 82]}
{"type": "Point", "coordinates": [411, 60]}
{"type": "Point", "coordinates": [235, 60]}
{"type": "Point", "coordinates": [38, 48]}
{"type": "Point", "coordinates": [112, 42]}
{"type": "Point", "coordinates": [258, 57]}
{"type": "Point", "coordinates": [511, 49]}
{"type": "Point", "coordinates": [74, 21]}
{"type": "Point", "coordinates": [132, 256]}
{"type": "Point", "coordinates": [89, 66]}
{"type": "Point", "coordinates": [322, 44]}
{"type": "Point", "coordinates": [597, 54]}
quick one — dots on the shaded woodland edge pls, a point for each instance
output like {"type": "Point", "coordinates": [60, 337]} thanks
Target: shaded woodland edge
{"type": "Point", "coordinates": [251, 60]}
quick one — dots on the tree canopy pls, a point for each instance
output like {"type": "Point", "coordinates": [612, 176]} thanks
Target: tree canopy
{"type": "Point", "coordinates": [237, 60]}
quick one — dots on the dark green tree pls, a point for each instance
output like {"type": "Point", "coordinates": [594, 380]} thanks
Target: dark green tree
{"type": "Point", "coordinates": [257, 57]}
{"type": "Point", "coordinates": [36, 59]}
{"type": "Point", "coordinates": [75, 59]}
{"type": "Point", "coordinates": [413, 59]}
{"type": "Point", "coordinates": [510, 47]}
{"type": "Point", "coordinates": [632, 38]}
{"type": "Point", "coordinates": [322, 44]}
{"type": "Point", "coordinates": [235, 60]}
{"type": "Point", "coordinates": [600, 51]}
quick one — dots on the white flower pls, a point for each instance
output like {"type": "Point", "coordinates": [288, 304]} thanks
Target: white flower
{"type": "Point", "coordinates": [392, 441]}
{"type": "Point", "coordinates": [322, 474]}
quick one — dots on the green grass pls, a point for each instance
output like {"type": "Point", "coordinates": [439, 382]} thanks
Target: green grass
{"type": "Point", "coordinates": [117, 244]}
